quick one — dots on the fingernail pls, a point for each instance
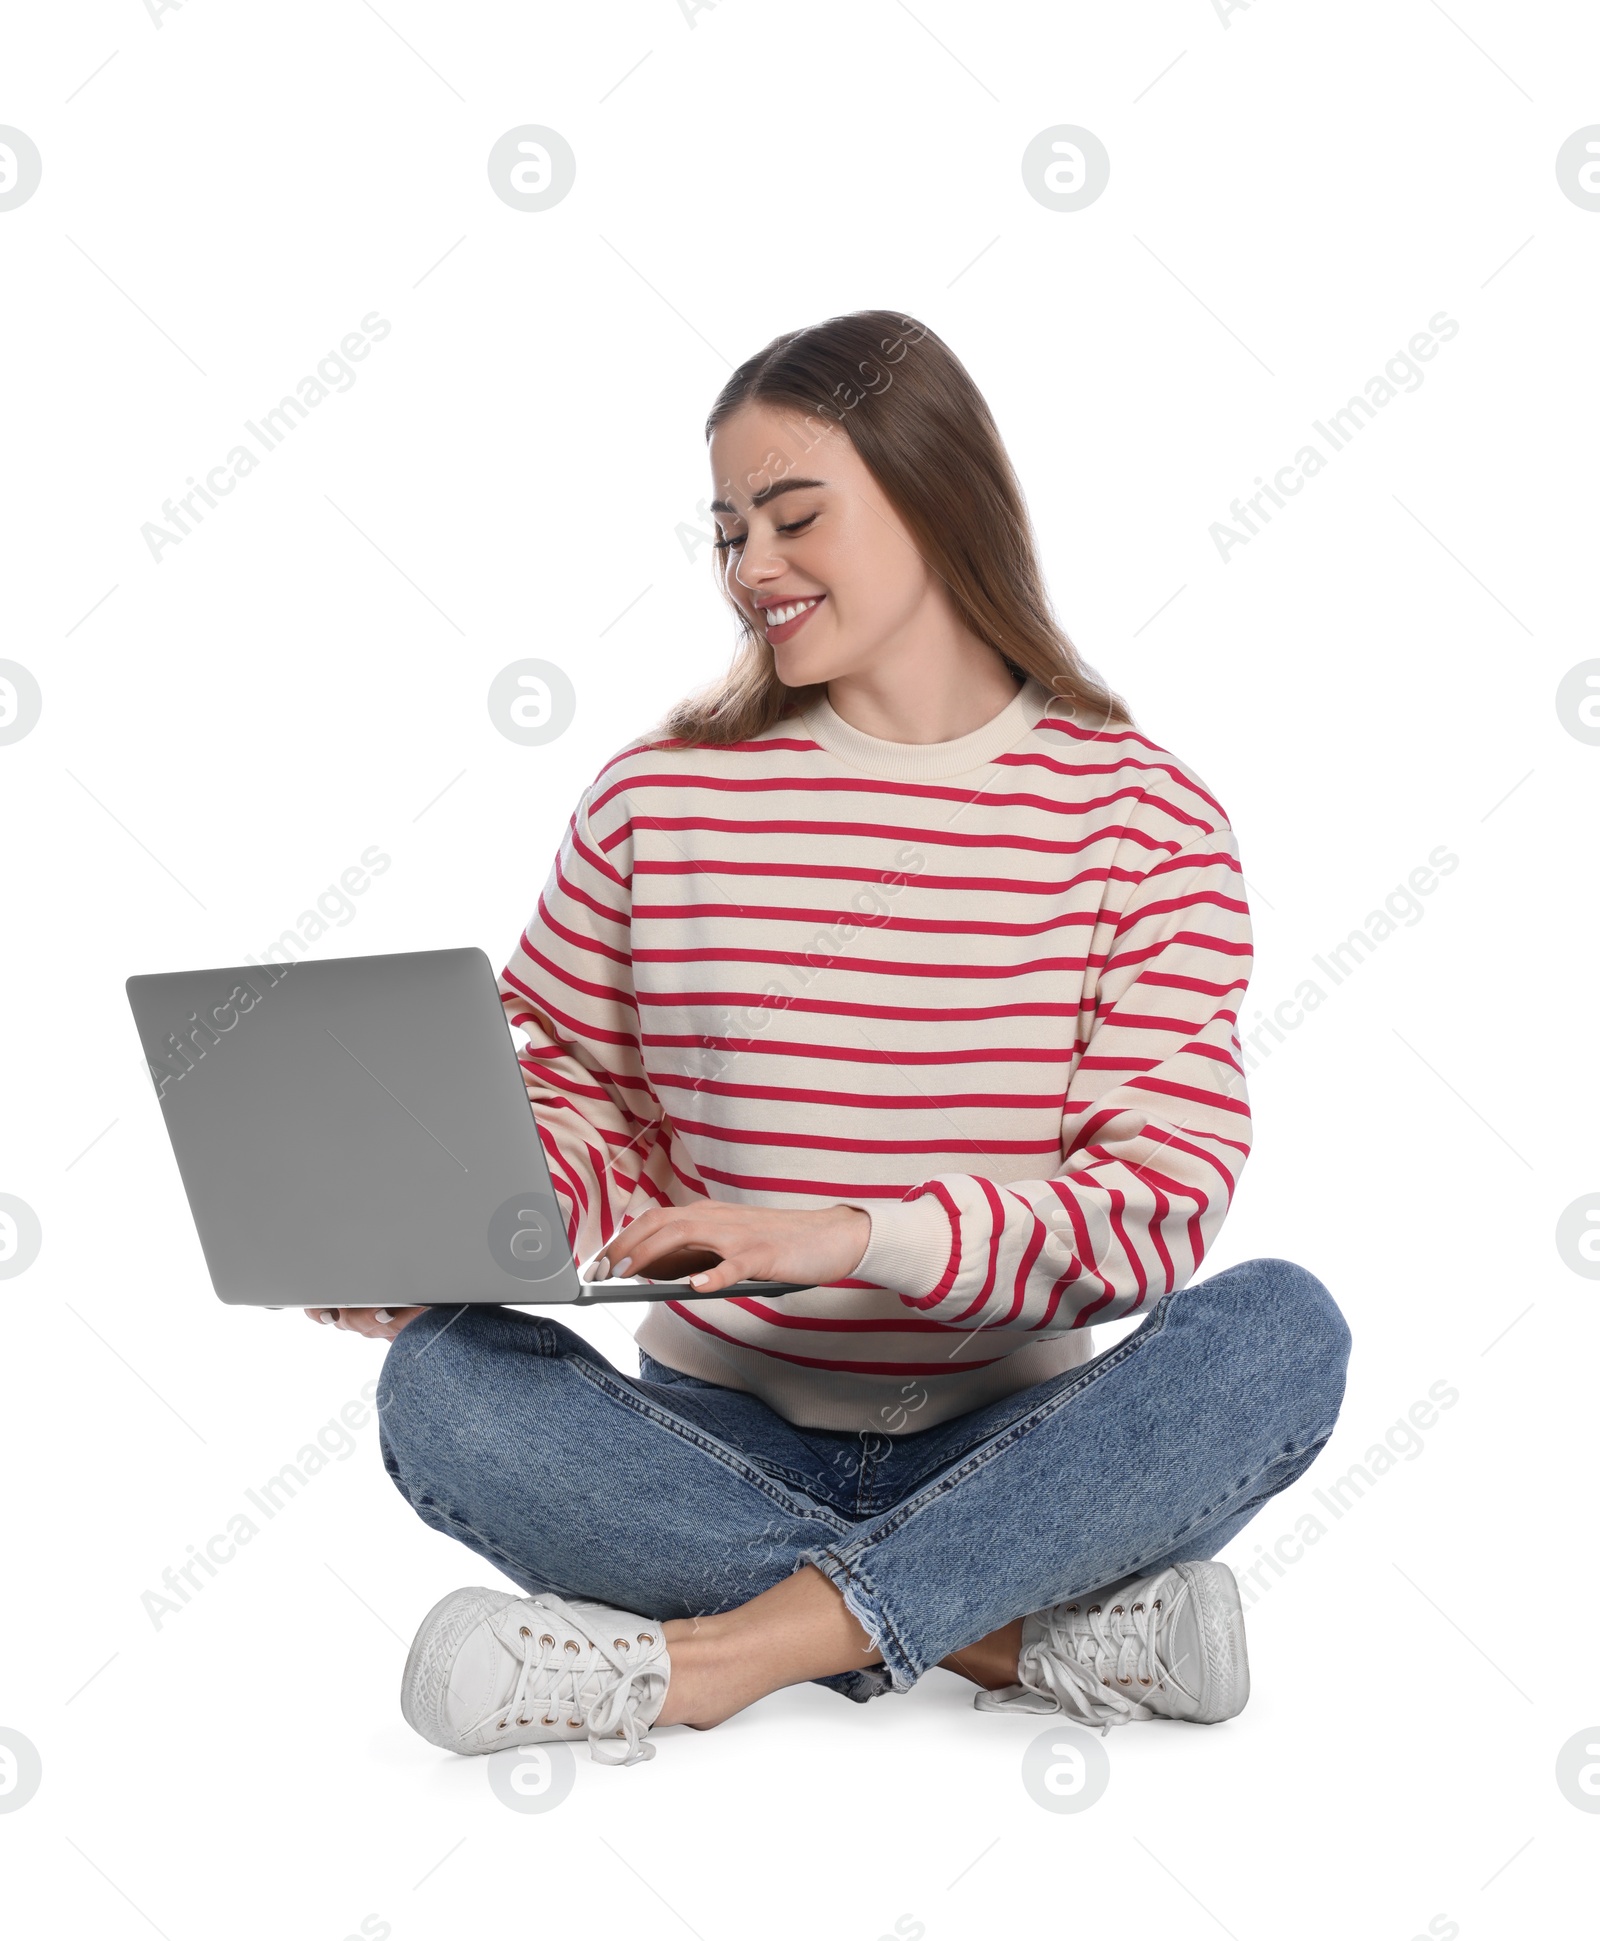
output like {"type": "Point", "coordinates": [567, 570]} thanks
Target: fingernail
{"type": "Point", "coordinates": [383, 1314]}
{"type": "Point", "coordinates": [696, 1279]}
{"type": "Point", "coordinates": [623, 1265]}
{"type": "Point", "coordinates": [325, 1317]}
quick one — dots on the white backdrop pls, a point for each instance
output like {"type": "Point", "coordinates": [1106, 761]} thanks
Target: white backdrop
{"type": "Point", "coordinates": [1392, 669]}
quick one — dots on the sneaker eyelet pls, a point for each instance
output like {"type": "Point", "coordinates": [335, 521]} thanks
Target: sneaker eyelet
{"type": "Point", "coordinates": [1117, 1608]}
{"type": "Point", "coordinates": [1139, 1606]}
{"type": "Point", "coordinates": [571, 1646]}
{"type": "Point", "coordinates": [620, 1643]}
{"type": "Point", "coordinates": [545, 1638]}
{"type": "Point", "coordinates": [1157, 1605]}
{"type": "Point", "coordinates": [523, 1631]}
{"type": "Point", "coordinates": [646, 1637]}
{"type": "Point", "coordinates": [1123, 1681]}
{"type": "Point", "coordinates": [1093, 1608]}
{"type": "Point", "coordinates": [549, 1721]}
{"type": "Point", "coordinates": [502, 1725]}
{"type": "Point", "coordinates": [524, 1721]}
{"type": "Point", "coordinates": [1144, 1681]}
{"type": "Point", "coordinates": [573, 1724]}
{"type": "Point", "coordinates": [1072, 1607]}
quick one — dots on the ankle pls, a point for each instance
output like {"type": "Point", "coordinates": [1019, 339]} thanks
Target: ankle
{"type": "Point", "coordinates": [698, 1684]}
{"type": "Point", "coordinates": [992, 1661]}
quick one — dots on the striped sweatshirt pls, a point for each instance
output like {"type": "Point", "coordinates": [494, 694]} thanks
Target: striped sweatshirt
{"type": "Point", "coordinates": [986, 990]}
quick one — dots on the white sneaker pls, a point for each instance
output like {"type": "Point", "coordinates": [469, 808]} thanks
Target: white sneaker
{"type": "Point", "coordinates": [489, 1669]}
{"type": "Point", "coordinates": [1168, 1646]}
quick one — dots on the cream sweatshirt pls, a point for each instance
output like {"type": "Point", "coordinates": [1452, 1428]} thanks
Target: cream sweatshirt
{"type": "Point", "coordinates": [986, 989]}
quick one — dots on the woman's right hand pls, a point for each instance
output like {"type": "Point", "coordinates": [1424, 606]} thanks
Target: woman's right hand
{"type": "Point", "coordinates": [377, 1323]}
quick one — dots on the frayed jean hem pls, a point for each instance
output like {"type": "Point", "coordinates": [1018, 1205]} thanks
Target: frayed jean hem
{"type": "Point", "coordinates": [899, 1671]}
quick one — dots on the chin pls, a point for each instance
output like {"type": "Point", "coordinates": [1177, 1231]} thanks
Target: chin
{"type": "Point", "coordinates": [807, 670]}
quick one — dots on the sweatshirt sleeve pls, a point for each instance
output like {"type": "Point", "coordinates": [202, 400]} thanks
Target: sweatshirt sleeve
{"type": "Point", "coordinates": [569, 989]}
{"type": "Point", "coordinates": [1155, 1128]}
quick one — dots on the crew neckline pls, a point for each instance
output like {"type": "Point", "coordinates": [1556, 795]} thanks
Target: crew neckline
{"type": "Point", "coordinates": [914, 761]}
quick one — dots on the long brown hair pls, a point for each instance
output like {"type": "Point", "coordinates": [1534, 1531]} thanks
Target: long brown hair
{"type": "Point", "coordinates": [923, 430]}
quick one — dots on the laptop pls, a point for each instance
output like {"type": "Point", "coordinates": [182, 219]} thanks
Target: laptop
{"type": "Point", "coordinates": [356, 1132]}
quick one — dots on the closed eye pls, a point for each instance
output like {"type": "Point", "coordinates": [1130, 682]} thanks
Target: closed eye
{"type": "Point", "coordinates": [737, 539]}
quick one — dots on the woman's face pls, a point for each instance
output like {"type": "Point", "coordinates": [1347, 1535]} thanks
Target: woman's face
{"type": "Point", "coordinates": [802, 523]}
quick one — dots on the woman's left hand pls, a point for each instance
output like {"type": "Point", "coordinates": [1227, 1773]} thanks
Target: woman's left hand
{"type": "Point", "coordinates": [763, 1243]}
{"type": "Point", "coordinates": [377, 1323]}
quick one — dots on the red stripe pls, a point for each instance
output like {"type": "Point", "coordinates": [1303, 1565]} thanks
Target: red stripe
{"type": "Point", "coordinates": [997, 1224]}
{"type": "Point", "coordinates": [591, 1031]}
{"type": "Point", "coordinates": [892, 967]}
{"type": "Point", "coordinates": [1037, 758]}
{"type": "Point", "coordinates": [1215, 898]}
{"type": "Point", "coordinates": [768, 826]}
{"type": "Point", "coordinates": [952, 1266]}
{"type": "Point", "coordinates": [1038, 1233]}
{"type": "Point", "coordinates": [752, 1137]}
{"type": "Point", "coordinates": [812, 1006]}
{"type": "Point", "coordinates": [904, 1324]}
{"type": "Point", "coordinates": [1218, 1101]}
{"type": "Point", "coordinates": [685, 1311]}
{"type": "Point", "coordinates": [1083, 1264]}
{"type": "Point", "coordinates": [1147, 1020]}
{"type": "Point", "coordinates": [580, 895]}
{"type": "Point", "coordinates": [857, 1101]}
{"type": "Point", "coordinates": [670, 782]}
{"type": "Point", "coordinates": [642, 744]}
{"type": "Point", "coordinates": [849, 1054]}
{"type": "Point", "coordinates": [562, 1090]}
{"type": "Point", "coordinates": [860, 920]}
{"type": "Point", "coordinates": [590, 946]}
{"type": "Point", "coordinates": [753, 1184]}
{"type": "Point", "coordinates": [716, 867]}
{"type": "Point", "coordinates": [598, 862]}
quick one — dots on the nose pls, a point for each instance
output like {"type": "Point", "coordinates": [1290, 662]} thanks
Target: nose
{"type": "Point", "coordinates": [760, 561]}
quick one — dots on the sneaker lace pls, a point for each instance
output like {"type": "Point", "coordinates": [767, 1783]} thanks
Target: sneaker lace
{"type": "Point", "coordinates": [1075, 1658]}
{"type": "Point", "coordinates": [592, 1684]}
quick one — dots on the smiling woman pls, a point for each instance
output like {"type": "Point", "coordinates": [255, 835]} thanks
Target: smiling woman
{"type": "Point", "coordinates": [862, 446]}
{"type": "Point", "coordinates": [897, 964]}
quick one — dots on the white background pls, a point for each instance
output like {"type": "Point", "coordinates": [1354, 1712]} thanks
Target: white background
{"type": "Point", "coordinates": [1294, 192]}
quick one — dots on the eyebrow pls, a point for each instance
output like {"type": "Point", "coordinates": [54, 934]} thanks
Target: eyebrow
{"type": "Point", "coordinates": [771, 492]}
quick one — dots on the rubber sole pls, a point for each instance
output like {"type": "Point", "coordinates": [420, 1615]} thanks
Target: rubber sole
{"type": "Point", "coordinates": [433, 1651]}
{"type": "Point", "coordinates": [1226, 1689]}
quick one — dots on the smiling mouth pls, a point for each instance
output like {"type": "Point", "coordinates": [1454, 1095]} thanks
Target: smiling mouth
{"type": "Point", "coordinates": [782, 622]}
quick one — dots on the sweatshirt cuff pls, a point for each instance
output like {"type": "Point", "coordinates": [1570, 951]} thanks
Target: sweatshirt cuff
{"type": "Point", "coordinates": [909, 1248]}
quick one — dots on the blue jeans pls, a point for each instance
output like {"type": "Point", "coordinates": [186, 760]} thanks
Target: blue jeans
{"type": "Point", "coordinates": [673, 1497]}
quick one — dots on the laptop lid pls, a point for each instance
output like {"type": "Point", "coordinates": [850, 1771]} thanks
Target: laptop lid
{"type": "Point", "coordinates": [356, 1132]}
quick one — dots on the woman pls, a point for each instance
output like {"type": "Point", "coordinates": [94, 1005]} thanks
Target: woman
{"type": "Point", "coordinates": [900, 965]}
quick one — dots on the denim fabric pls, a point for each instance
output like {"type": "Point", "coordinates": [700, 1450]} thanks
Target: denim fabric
{"type": "Point", "coordinates": [673, 1497]}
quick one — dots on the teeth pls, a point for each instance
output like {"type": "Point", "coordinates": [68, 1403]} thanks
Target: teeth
{"type": "Point", "coordinates": [780, 616]}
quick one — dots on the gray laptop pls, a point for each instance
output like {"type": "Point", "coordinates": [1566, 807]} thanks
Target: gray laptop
{"type": "Point", "coordinates": [355, 1132]}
